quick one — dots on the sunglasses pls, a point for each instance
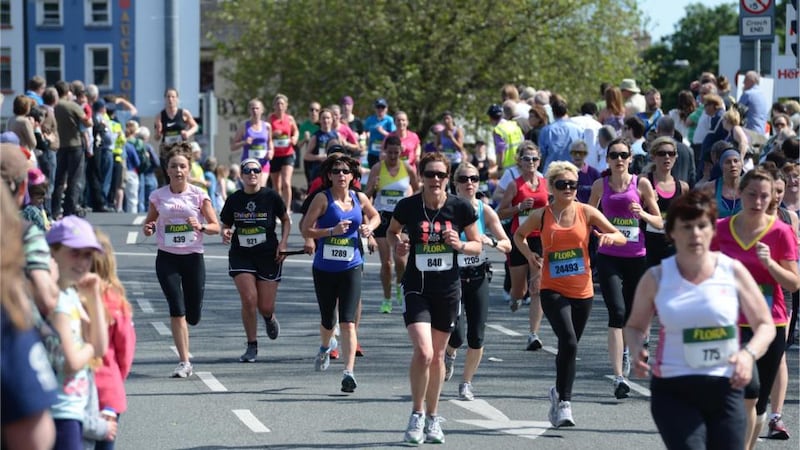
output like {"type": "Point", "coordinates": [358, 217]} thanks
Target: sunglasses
{"type": "Point", "coordinates": [250, 170]}
{"type": "Point", "coordinates": [663, 153]}
{"type": "Point", "coordinates": [563, 185]}
{"type": "Point", "coordinates": [337, 171]}
{"type": "Point", "coordinates": [529, 158]}
{"type": "Point", "coordinates": [465, 178]}
{"type": "Point", "coordinates": [434, 174]}
{"type": "Point", "coordinates": [616, 155]}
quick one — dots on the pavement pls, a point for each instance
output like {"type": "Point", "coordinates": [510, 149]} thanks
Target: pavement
{"type": "Point", "coordinates": [280, 402]}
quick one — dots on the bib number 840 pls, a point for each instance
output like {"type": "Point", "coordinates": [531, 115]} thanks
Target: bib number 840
{"type": "Point", "coordinates": [434, 262]}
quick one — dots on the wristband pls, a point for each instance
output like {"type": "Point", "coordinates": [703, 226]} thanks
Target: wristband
{"type": "Point", "coordinates": [203, 228]}
{"type": "Point", "coordinates": [494, 242]}
{"type": "Point", "coordinates": [751, 352]}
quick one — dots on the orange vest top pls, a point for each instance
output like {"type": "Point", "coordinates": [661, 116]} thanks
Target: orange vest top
{"type": "Point", "coordinates": [566, 268]}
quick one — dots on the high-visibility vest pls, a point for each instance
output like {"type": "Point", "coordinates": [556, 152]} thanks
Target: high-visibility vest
{"type": "Point", "coordinates": [511, 134]}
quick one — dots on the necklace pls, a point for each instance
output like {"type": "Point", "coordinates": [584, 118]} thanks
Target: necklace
{"type": "Point", "coordinates": [425, 212]}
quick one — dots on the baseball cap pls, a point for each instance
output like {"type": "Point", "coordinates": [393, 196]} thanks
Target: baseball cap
{"type": "Point", "coordinates": [9, 137]}
{"type": "Point", "coordinates": [495, 111]}
{"type": "Point", "coordinates": [347, 100]}
{"type": "Point", "coordinates": [73, 232]}
{"type": "Point", "coordinates": [381, 102]}
{"type": "Point", "coordinates": [35, 176]}
{"type": "Point", "coordinates": [13, 164]}
{"type": "Point", "coordinates": [98, 105]}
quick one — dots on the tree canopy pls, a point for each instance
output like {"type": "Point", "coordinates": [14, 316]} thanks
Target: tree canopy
{"type": "Point", "coordinates": [424, 57]}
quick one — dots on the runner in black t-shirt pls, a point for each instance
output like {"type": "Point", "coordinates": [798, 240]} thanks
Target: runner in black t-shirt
{"type": "Point", "coordinates": [431, 284]}
{"type": "Point", "coordinates": [254, 260]}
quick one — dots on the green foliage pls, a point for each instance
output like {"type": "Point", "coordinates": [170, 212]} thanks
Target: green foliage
{"type": "Point", "coordinates": [696, 39]}
{"type": "Point", "coordinates": [424, 56]}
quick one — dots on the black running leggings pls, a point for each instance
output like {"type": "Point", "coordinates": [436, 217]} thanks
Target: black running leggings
{"type": "Point", "coordinates": [475, 298]}
{"type": "Point", "coordinates": [342, 288]}
{"type": "Point", "coordinates": [618, 279]}
{"type": "Point", "coordinates": [183, 281]}
{"type": "Point", "coordinates": [763, 379]}
{"type": "Point", "coordinates": [567, 317]}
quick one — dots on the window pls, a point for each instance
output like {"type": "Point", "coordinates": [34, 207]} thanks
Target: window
{"type": "Point", "coordinates": [5, 69]}
{"type": "Point", "coordinates": [48, 13]}
{"type": "Point", "coordinates": [97, 12]}
{"type": "Point", "coordinates": [50, 62]}
{"type": "Point", "coordinates": [98, 65]}
{"type": "Point", "coordinates": [5, 13]}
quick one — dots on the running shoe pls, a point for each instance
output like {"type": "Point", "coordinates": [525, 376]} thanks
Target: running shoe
{"type": "Point", "coordinates": [249, 355]}
{"type": "Point", "coordinates": [449, 366]}
{"type": "Point", "coordinates": [323, 360]}
{"type": "Point", "coordinates": [359, 350]}
{"type": "Point", "coordinates": [552, 414]}
{"type": "Point", "coordinates": [415, 432]}
{"type": "Point", "coordinates": [527, 301]}
{"type": "Point", "coordinates": [777, 429]}
{"type": "Point", "coordinates": [506, 296]}
{"type": "Point", "coordinates": [565, 415]}
{"type": "Point", "coordinates": [626, 363]}
{"type": "Point", "coordinates": [514, 304]}
{"type": "Point", "coordinates": [334, 353]}
{"type": "Point", "coordinates": [184, 370]}
{"type": "Point", "coordinates": [273, 327]}
{"type": "Point", "coordinates": [621, 388]}
{"type": "Point", "coordinates": [348, 382]}
{"type": "Point", "coordinates": [433, 430]}
{"type": "Point", "coordinates": [465, 392]}
{"type": "Point", "coordinates": [386, 306]}
{"type": "Point", "coordinates": [534, 343]}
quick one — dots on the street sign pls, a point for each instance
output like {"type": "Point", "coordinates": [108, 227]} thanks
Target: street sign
{"type": "Point", "coordinates": [757, 20]}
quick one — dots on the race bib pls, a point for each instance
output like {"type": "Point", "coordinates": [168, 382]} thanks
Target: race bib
{"type": "Point", "coordinates": [178, 235]}
{"type": "Point", "coordinates": [281, 141]}
{"type": "Point", "coordinates": [251, 236]}
{"type": "Point", "coordinates": [566, 263]}
{"type": "Point", "coordinates": [652, 229]}
{"type": "Point", "coordinates": [338, 249]}
{"type": "Point", "coordinates": [709, 347]}
{"type": "Point", "coordinates": [470, 260]}
{"type": "Point", "coordinates": [389, 198]}
{"type": "Point", "coordinates": [629, 227]}
{"type": "Point", "coordinates": [523, 215]}
{"type": "Point", "coordinates": [172, 137]}
{"type": "Point", "coordinates": [767, 290]}
{"type": "Point", "coordinates": [376, 147]}
{"type": "Point", "coordinates": [433, 257]}
{"type": "Point", "coordinates": [258, 151]}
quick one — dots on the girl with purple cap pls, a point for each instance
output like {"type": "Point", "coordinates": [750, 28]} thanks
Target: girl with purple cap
{"type": "Point", "coordinates": [255, 139]}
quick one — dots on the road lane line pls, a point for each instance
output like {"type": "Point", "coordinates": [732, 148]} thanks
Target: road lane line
{"type": "Point", "coordinates": [250, 421]}
{"type": "Point", "coordinates": [634, 387]}
{"type": "Point", "coordinates": [132, 235]}
{"type": "Point", "coordinates": [504, 330]}
{"type": "Point", "coordinates": [175, 350]}
{"type": "Point", "coordinates": [139, 220]}
{"type": "Point", "coordinates": [145, 306]}
{"type": "Point", "coordinates": [554, 351]}
{"type": "Point", "coordinates": [211, 382]}
{"type": "Point", "coordinates": [161, 328]}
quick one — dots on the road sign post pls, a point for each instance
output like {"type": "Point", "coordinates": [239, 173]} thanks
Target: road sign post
{"type": "Point", "coordinates": [756, 25]}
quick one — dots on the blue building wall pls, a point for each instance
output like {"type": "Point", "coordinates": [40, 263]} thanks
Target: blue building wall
{"type": "Point", "coordinates": [74, 35]}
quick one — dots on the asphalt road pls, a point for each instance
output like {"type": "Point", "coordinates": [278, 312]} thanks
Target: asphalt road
{"type": "Point", "coordinates": [281, 402]}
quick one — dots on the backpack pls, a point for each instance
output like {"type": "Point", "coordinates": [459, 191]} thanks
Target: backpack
{"type": "Point", "coordinates": [145, 163]}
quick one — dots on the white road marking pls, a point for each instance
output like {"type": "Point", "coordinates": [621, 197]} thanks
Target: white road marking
{"type": "Point", "coordinates": [211, 382]}
{"type": "Point", "coordinates": [139, 220]}
{"type": "Point", "coordinates": [145, 306]}
{"type": "Point", "coordinates": [175, 350]}
{"type": "Point", "coordinates": [504, 330]}
{"type": "Point", "coordinates": [132, 235]}
{"type": "Point", "coordinates": [496, 421]}
{"type": "Point", "coordinates": [161, 328]}
{"type": "Point", "coordinates": [554, 351]}
{"type": "Point", "coordinates": [250, 421]}
{"type": "Point", "coordinates": [634, 387]}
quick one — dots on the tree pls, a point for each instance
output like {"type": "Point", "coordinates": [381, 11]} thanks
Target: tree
{"type": "Point", "coordinates": [424, 56]}
{"type": "Point", "coordinates": [696, 40]}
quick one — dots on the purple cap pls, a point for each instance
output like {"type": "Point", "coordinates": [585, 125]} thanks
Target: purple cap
{"type": "Point", "coordinates": [73, 232]}
{"type": "Point", "coordinates": [9, 137]}
{"type": "Point", "coordinates": [347, 100]}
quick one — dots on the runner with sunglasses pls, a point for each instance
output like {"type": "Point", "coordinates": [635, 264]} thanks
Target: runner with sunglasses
{"type": "Point", "coordinates": [527, 193]}
{"type": "Point", "coordinates": [390, 181]}
{"type": "Point", "coordinates": [626, 200]}
{"type": "Point", "coordinates": [567, 289]}
{"type": "Point", "coordinates": [335, 220]}
{"type": "Point", "coordinates": [431, 285]}
{"type": "Point", "coordinates": [254, 261]}
{"type": "Point", "coordinates": [664, 153]}
{"type": "Point", "coordinates": [475, 273]}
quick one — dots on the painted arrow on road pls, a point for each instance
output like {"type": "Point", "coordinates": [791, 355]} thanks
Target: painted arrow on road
{"type": "Point", "coordinates": [495, 420]}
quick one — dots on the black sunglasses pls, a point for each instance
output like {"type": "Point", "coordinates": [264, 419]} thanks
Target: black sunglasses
{"type": "Point", "coordinates": [434, 174]}
{"type": "Point", "coordinates": [619, 155]}
{"type": "Point", "coordinates": [249, 170]}
{"type": "Point", "coordinates": [337, 171]}
{"type": "Point", "coordinates": [529, 158]}
{"type": "Point", "coordinates": [663, 153]}
{"type": "Point", "coordinates": [563, 185]}
{"type": "Point", "coordinates": [465, 178]}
